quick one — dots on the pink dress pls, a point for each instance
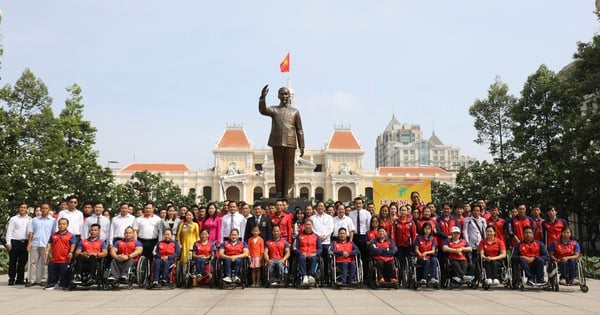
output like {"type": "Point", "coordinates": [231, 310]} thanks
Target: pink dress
{"type": "Point", "coordinates": [213, 225]}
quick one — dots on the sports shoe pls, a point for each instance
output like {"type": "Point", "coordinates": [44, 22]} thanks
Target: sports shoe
{"type": "Point", "coordinates": [311, 280]}
{"type": "Point", "coordinates": [531, 283]}
{"type": "Point", "coordinates": [77, 279]}
{"type": "Point", "coordinates": [422, 281]}
{"type": "Point", "coordinates": [468, 278]}
{"type": "Point", "coordinates": [393, 280]}
{"type": "Point", "coordinates": [163, 282]}
{"type": "Point", "coordinates": [575, 281]}
{"type": "Point", "coordinates": [29, 284]}
{"type": "Point", "coordinates": [562, 282]}
{"type": "Point", "coordinates": [124, 279]}
{"type": "Point", "coordinates": [496, 282]}
{"type": "Point", "coordinates": [541, 283]}
{"type": "Point", "coordinates": [305, 280]}
{"type": "Point", "coordinates": [11, 282]}
{"type": "Point", "coordinates": [274, 283]}
{"type": "Point", "coordinates": [111, 278]}
{"type": "Point", "coordinates": [227, 279]}
{"type": "Point", "coordinates": [236, 279]}
{"type": "Point", "coordinates": [434, 281]}
{"type": "Point", "coordinates": [49, 288]}
{"type": "Point", "coordinates": [457, 279]}
{"type": "Point", "coordinates": [381, 280]}
{"type": "Point", "coordinates": [488, 282]}
{"type": "Point", "coordinates": [155, 284]}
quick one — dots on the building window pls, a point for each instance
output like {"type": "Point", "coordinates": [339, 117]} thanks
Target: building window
{"type": "Point", "coordinates": [258, 167]}
{"type": "Point", "coordinates": [319, 168]}
{"type": "Point", "coordinates": [207, 192]}
{"type": "Point", "coordinates": [258, 193]}
{"type": "Point", "coordinates": [319, 194]}
{"type": "Point", "coordinates": [304, 193]}
{"type": "Point", "coordinates": [369, 193]}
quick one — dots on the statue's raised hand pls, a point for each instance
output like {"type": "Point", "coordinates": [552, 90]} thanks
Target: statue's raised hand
{"type": "Point", "coordinates": [264, 91]}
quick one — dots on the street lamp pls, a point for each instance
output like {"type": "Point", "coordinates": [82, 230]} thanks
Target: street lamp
{"type": "Point", "coordinates": [108, 163]}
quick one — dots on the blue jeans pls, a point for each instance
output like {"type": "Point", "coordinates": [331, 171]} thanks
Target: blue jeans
{"type": "Point", "coordinates": [429, 268]}
{"type": "Point", "coordinates": [237, 266]}
{"type": "Point", "coordinates": [276, 270]}
{"type": "Point", "coordinates": [200, 265]}
{"type": "Point", "coordinates": [312, 265]}
{"type": "Point", "coordinates": [568, 270]}
{"type": "Point", "coordinates": [161, 268]}
{"type": "Point", "coordinates": [347, 271]}
{"type": "Point", "coordinates": [58, 271]}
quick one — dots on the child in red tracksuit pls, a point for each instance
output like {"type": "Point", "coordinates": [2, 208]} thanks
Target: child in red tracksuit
{"type": "Point", "coordinates": [256, 248]}
{"type": "Point", "coordinates": [345, 252]}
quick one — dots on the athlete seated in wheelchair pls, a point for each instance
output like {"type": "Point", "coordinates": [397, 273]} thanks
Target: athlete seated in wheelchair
{"type": "Point", "coordinates": [383, 251]}
{"type": "Point", "coordinates": [565, 252]}
{"type": "Point", "coordinates": [125, 253]}
{"type": "Point", "coordinates": [202, 253]}
{"type": "Point", "coordinates": [165, 253]}
{"type": "Point", "coordinates": [531, 256]}
{"type": "Point", "coordinates": [307, 248]}
{"type": "Point", "coordinates": [277, 253]}
{"type": "Point", "coordinates": [459, 251]}
{"type": "Point", "coordinates": [344, 260]}
{"type": "Point", "coordinates": [233, 253]}
{"type": "Point", "coordinates": [425, 251]}
{"type": "Point", "coordinates": [493, 254]}
{"type": "Point", "coordinates": [89, 255]}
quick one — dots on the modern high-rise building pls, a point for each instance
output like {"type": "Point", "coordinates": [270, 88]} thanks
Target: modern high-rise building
{"type": "Point", "coordinates": [402, 145]}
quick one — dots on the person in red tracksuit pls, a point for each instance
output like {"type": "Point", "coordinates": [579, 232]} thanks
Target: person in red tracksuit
{"type": "Point", "coordinates": [405, 233]}
{"type": "Point", "coordinates": [233, 252]}
{"type": "Point", "coordinates": [60, 251]}
{"type": "Point", "coordinates": [202, 251]}
{"type": "Point", "coordinates": [456, 249]}
{"type": "Point", "coordinates": [553, 226]}
{"type": "Point", "coordinates": [89, 252]}
{"type": "Point", "coordinates": [497, 222]}
{"type": "Point", "coordinates": [277, 252]}
{"type": "Point", "coordinates": [425, 248]}
{"type": "Point", "coordinates": [345, 251]}
{"type": "Point", "coordinates": [426, 217]}
{"type": "Point", "coordinates": [165, 253]}
{"type": "Point", "coordinates": [383, 250]}
{"type": "Point", "coordinates": [565, 252]}
{"type": "Point", "coordinates": [518, 223]}
{"type": "Point", "coordinates": [284, 220]}
{"type": "Point", "coordinates": [307, 247]}
{"type": "Point", "coordinates": [532, 255]}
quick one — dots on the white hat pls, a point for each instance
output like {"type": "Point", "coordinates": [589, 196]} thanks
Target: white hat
{"type": "Point", "coordinates": [455, 229]}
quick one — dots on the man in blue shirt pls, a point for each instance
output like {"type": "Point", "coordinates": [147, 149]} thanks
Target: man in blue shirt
{"type": "Point", "coordinates": [39, 233]}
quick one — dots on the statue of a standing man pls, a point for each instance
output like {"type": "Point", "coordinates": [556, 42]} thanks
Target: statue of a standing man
{"type": "Point", "coordinates": [286, 132]}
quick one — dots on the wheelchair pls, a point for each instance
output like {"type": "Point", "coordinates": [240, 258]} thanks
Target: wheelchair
{"type": "Point", "coordinates": [550, 276]}
{"type": "Point", "coordinates": [413, 272]}
{"type": "Point", "coordinates": [220, 274]}
{"type": "Point", "coordinates": [374, 275]}
{"type": "Point", "coordinates": [88, 279]}
{"type": "Point", "coordinates": [504, 272]}
{"type": "Point", "coordinates": [266, 276]}
{"type": "Point", "coordinates": [318, 271]}
{"type": "Point", "coordinates": [336, 277]}
{"type": "Point", "coordinates": [471, 278]}
{"type": "Point", "coordinates": [189, 272]}
{"type": "Point", "coordinates": [133, 275]}
{"type": "Point", "coordinates": [554, 273]}
{"type": "Point", "coordinates": [175, 271]}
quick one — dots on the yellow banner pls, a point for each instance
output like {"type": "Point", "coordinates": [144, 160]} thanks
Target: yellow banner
{"type": "Point", "coordinates": [387, 190]}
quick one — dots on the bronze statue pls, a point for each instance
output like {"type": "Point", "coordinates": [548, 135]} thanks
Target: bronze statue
{"type": "Point", "coordinates": [286, 132]}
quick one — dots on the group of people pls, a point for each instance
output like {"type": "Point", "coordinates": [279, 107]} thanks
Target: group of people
{"type": "Point", "coordinates": [276, 238]}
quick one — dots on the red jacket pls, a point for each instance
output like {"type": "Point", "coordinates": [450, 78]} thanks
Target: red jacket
{"type": "Point", "coordinates": [405, 232]}
{"type": "Point", "coordinates": [308, 243]}
{"type": "Point", "coordinates": [462, 243]}
{"type": "Point", "coordinates": [383, 250]}
{"type": "Point", "coordinates": [277, 248]}
{"type": "Point", "coordinates": [285, 224]}
{"type": "Point", "coordinates": [339, 248]}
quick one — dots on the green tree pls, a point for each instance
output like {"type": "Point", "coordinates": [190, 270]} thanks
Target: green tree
{"type": "Point", "coordinates": [493, 120]}
{"type": "Point", "coordinates": [442, 192]}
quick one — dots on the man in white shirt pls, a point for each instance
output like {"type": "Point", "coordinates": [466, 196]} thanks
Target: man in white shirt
{"type": "Point", "coordinates": [342, 221]}
{"type": "Point", "coordinates": [148, 229]}
{"type": "Point", "coordinates": [232, 220]}
{"type": "Point", "coordinates": [16, 243]}
{"type": "Point", "coordinates": [361, 219]}
{"type": "Point", "coordinates": [323, 226]}
{"type": "Point", "coordinates": [74, 216]}
{"type": "Point", "coordinates": [474, 227]}
{"type": "Point", "coordinates": [119, 223]}
{"type": "Point", "coordinates": [97, 218]}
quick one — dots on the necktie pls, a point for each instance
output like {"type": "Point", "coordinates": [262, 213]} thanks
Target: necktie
{"type": "Point", "coordinates": [358, 221]}
{"type": "Point", "coordinates": [231, 223]}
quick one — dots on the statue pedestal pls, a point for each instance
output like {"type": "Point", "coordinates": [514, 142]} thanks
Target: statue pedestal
{"type": "Point", "coordinates": [292, 202]}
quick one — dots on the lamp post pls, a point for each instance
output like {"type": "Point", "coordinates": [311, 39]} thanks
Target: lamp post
{"type": "Point", "coordinates": [108, 163]}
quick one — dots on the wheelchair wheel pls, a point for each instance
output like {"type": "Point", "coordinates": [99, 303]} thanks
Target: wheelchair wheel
{"type": "Point", "coordinates": [142, 271]}
{"type": "Point", "coordinates": [180, 273]}
{"type": "Point", "coordinates": [406, 273]}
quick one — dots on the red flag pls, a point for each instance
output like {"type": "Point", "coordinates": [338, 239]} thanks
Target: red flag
{"type": "Point", "coordinates": [285, 64]}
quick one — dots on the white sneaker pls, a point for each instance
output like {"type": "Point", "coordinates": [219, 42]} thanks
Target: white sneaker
{"type": "Point", "coordinates": [434, 281]}
{"type": "Point", "coordinates": [311, 280]}
{"type": "Point", "coordinates": [575, 282]}
{"type": "Point", "coordinates": [562, 282]}
{"type": "Point", "coordinates": [305, 280]}
{"type": "Point", "coordinates": [496, 282]}
{"type": "Point", "coordinates": [227, 279]}
{"type": "Point", "coordinates": [236, 279]}
{"type": "Point", "coordinates": [488, 282]}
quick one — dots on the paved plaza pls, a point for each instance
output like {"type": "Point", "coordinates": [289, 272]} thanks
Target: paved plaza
{"type": "Point", "coordinates": [34, 300]}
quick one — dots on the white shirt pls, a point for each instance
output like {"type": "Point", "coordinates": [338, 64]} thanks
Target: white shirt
{"type": "Point", "coordinates": [75, 220]}
{"type": "Point", "coordinates": [323, 226]}
{"type": "Point", "coordinates": [148, 228]}
{"type": "Point", "coordinates": [344, 222]}
{"type": "Point", "coordinates": [93, 219]}
{"type": "Point", "coordinates": [118, 225]}
{"type": "Point", "coordinates": [238, 221]}
{"type": "Point", "coordinates": [473, 230]}
{"type": "Point", "coordinates": [365, 220]}
{"type": "Point", "coordinates": [18, 228]}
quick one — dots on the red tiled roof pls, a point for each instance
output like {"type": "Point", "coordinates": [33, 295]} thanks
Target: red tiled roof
{"type": "Point", "coordinates": [412, 170]}
{"type": "Point", "coordinates": [343, 140]}
{"type": "Point", "coordinates": [157, 167]}
{"type": "Point", "coordinates": [234, 138]}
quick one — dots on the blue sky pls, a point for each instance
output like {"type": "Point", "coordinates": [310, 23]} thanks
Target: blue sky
{"type": "Point", "coordinates": [162, 79]}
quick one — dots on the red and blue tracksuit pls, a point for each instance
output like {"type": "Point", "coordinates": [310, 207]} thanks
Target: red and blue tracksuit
{"type": "Point", "coordinates": [233, 249]}
{"type": "Point", "coordinates": [205, 250]}
{"type": "Point", "coordinates": [568, 270]}
{"type": "Point", "coordinates": [170, 249]}
{"type": "Point", "coordinates": [347, 265]}
{"type": "Point", "coordinates": [537, 250]}
{"type": "Point", "coordinates": [304, 245]}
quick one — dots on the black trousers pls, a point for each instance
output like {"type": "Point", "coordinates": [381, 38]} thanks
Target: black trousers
{"type": "Point", "coordinates": [361, 243]}
{"type": "Point", "coordinates": [17, 260]}
{"type": "Point", "coordinates": [148, 247]}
